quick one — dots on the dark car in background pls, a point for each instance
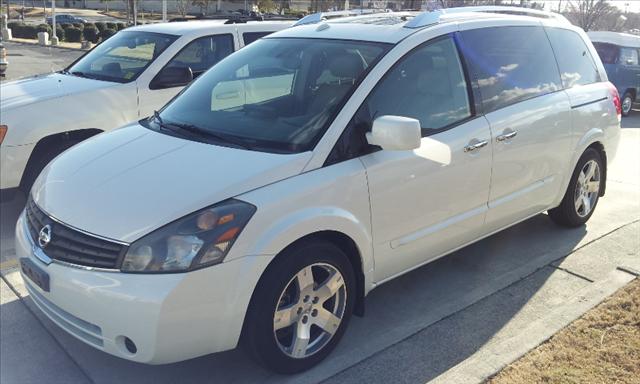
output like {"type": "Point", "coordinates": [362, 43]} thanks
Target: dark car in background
{"type": "Point", "coordinates": [620, 54]}
{"type": "Point", "coordinates": [65, 19]}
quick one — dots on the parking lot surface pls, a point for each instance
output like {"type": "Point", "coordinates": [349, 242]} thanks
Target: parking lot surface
{"type": "Point", "coordinates": [29, 59]}
{"type": "Point", "coordinates": [459, 319]}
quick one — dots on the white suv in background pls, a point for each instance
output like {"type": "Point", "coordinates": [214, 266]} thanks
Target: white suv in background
{"type": "Point", "coordinates": [277, 190]}
{"type": "Point", "coordinates": [120, 81]}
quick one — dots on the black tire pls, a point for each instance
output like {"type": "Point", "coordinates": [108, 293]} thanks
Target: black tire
{"type": "Point", "coordinates": [41, 159]}
{"type": "Point", "coordinates": [258, 333]}
{"type": "Point", "coordinates": [566, 213]}
{"type": "Point", "coordinates": [627, 97]}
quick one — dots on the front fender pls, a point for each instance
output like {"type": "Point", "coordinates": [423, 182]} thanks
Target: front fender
{"type": "Point", "coordinates": [334, 198]}
{"type": "Point", "coordinates": [103, 109]}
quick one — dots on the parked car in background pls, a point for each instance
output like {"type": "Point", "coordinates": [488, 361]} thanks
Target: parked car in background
{"type": "Point", "coordinates": [122, 80]}
{"type": "Point", "coordinates": [265, 201]}
{"type": "Point", "coordinates": [620, 54]}
{"type": "Point", "coordinates": [65, 19]}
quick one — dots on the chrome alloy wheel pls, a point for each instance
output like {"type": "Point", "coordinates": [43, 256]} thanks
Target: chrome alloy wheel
{"type": "Point", "coordinates": [627, 103]}
{"type": "Point", "coordinates": [310, 310]}
{"type": "Point", "coordinates": [587, 188]}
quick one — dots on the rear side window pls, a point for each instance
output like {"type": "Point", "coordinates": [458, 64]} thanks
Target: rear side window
{"type": "Point", "coordinates": [250, 37]}
{"type": "Point", "coordinates": [608, 52]}
{"type": "Point", "coordinates": [628, 56]}
{"type": "Point", "coordinates": [510, 64]}
{"type": "Point", "coordinates": [576, 64]}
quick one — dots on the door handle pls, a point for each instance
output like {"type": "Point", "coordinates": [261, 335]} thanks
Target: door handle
{"type": "Point", "coordinates": [507, 136]}
{"type": "Point", "coordinates": [475, 146]}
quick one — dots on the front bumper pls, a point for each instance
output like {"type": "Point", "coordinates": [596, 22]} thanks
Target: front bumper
{"type": "Point", "coordinates": [169, 317]}
{"type": "Point", "coordinates": [13, 161]}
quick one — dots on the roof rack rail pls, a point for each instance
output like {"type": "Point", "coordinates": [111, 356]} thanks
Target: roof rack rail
{"type": "Point", "coordinates": [235, 19]}
{"type": "Point", "coordinates": [432, 17]}
{"type": "Point", "coordinates": [315, 18]}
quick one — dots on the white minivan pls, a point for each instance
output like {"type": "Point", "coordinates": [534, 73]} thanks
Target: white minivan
{"type": "Point", "coordinates": [276, 191]}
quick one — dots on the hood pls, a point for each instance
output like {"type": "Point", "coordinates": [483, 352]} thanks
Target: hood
{"type": "Point", "coordinates": [14, 94]}
{"type": "Point", "coordinates": [126, 183]}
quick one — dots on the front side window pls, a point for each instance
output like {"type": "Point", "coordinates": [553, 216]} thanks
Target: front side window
{"type": "Point", "coordinates": [202, 53]}
{"type": "Point", "coordinates": [608, 52]}
{"type": "Point", "coordinates": [628, 56]}
{"type": "Point", "coordinates": [276, 95]}
{"type": "Point", "coordinates": [121, 58]}
{"type": "Point", "coordinates": [576, 64]}
{"type": "Point", "coordinates": [428, 84]}
{"type": "Point", "coordinates": [511, 64]}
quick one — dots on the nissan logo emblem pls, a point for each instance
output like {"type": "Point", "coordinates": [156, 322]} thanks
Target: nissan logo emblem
{"type": "Point", "coordinates": [45, 236]}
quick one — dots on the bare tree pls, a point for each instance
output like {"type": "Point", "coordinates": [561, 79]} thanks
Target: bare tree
{"type": "Point", "coordinates": [203, 4]}
{"type": "Point", "coordinates": [182, 7]}
{"type": "Point", "coordinates": [587, 14]}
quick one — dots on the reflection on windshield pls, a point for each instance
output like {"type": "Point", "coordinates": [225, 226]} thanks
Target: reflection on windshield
{"type": "Point", "coordinates": [275, 95]}
{"type": "Point", "coordinates": [121, 58]}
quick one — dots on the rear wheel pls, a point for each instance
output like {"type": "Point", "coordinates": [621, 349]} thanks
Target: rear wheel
{"type": "Point", "coordinates": [301, 307]}
{"type": "Point", "coordinates": [583, 192]}
{"type": "Point", "coordinates": [627, 103]}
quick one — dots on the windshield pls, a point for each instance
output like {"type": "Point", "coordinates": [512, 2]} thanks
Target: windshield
{"type": "Point", "coordinates": [121, 58]}
{"type": "Point", "coordinates": [276, 95]}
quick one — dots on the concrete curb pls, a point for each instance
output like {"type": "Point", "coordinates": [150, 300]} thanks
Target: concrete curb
{"type": "Point", "coordinates": [46, 46]}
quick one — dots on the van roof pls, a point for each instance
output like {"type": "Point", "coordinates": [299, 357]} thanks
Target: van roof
{"type": "Point", "coordinates": [187, 27]}
{"type": "Point", "coordinates": [621, 39]}
{"type": "Point", "coordinates": [391, 27]}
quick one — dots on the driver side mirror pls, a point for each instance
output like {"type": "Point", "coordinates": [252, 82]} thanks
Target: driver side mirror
{"type": "Point", "coordinates": [171, 77]}
{"type": "Point", "coordinates": [395, 133]}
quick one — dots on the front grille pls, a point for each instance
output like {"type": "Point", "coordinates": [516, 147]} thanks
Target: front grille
{"type": "Point", "coordinates": [70, 245]}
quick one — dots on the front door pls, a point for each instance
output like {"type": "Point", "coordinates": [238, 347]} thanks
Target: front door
{"type": "Point", "coordinates": [433, 199]}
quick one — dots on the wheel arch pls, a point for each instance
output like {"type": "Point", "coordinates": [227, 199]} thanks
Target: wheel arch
{"type": "Point", "coordinates": [599, 147]}
{"type": "Point", "coordinates": [59, 138]}
{"type": "Point", "coordinates": [633, 93]}
{"type": "Point", "coordinates": [347, 245]}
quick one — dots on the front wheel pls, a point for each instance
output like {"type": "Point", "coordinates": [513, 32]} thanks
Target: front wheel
{"type": "Point", "coordinates": [301, 307]}
{"type": "Point", "coordinates": [583, 192]}
{"type": "Point", "coordinates": [627, 103]}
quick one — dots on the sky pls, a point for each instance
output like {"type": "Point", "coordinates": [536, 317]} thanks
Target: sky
{"type": "Point", "coordinates": [624, 5]}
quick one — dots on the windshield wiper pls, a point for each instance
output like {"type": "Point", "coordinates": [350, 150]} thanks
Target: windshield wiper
{"type": "Point", "coordinates": [79, 74]}
{"type": "Point", "coordinates": [199, 132]}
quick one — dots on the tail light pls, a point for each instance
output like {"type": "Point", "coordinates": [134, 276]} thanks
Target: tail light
{"type": "Point", "coordinates": [615, 96]}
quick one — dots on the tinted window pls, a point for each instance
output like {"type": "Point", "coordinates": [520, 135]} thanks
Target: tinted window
{"type": "Point", "coordinates": [276, 95]}
{"type": "Point", "coordinates": [511, 64]}
{"type": "Point", "coordinates": [202, 53]}
{"type": "Point", "coordinates": [628, 56]}
{"type": "Point", "coordinates": [427, 84]}
{"type": "Point", "coordinates": [608, 52]}
{"type": "Point", "coordinates": [250, 37]}
{"type": "Point", "coordinates": [576, 64]}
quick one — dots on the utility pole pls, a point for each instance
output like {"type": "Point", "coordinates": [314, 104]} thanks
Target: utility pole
{"type": "Point", "coordinates": [164, 11]}
{"type": "Point", "coordinates": [135, 12]}
{"type": "Point", "coordinates": [54, 38]}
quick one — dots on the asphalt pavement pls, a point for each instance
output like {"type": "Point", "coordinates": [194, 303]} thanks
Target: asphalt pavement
{"type": "Point", "coordinates": [29, 59]}
{"type": "Point", "coordinates": [459, 319]}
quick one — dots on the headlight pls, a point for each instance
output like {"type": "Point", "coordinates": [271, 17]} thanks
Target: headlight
{"type": "Point", "coordinates": [195, 241]}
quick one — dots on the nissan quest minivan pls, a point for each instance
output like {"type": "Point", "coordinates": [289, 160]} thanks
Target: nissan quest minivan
{"type": "Point", "coordinates": [263, 204]}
